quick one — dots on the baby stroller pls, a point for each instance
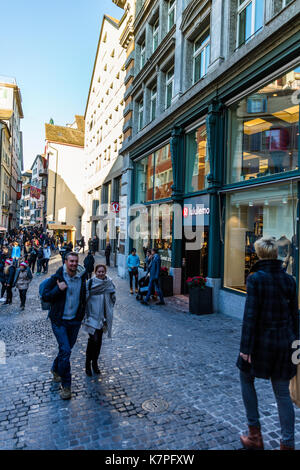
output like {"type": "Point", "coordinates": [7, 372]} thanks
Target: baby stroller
{"type": "Point", "coordinates": [143, 287]}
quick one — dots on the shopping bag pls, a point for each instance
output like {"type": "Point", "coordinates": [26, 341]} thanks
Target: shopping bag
{"type": "Point", "coordinates": [295, 388]}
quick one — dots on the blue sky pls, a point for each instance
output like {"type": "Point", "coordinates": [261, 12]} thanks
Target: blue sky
{"type": "Point", "coordinates": [50, 47]}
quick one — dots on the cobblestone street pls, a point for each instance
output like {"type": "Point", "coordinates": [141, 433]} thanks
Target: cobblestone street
{"type": "Point", "coordinates": [155, 353]}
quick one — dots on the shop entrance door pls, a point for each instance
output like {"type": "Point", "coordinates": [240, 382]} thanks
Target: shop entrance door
{"type": "Point", "coordinates": [194, 262]}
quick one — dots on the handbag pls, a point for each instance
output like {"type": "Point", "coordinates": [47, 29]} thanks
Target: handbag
{"type": "Point", "coordinates": [295, 387]}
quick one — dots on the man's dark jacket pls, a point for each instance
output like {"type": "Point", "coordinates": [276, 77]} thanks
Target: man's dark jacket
{"type": "Point", "coordinates": [154, 268]}
{"type": "Point", "coordinates": [89, 262]}
{"type": "Point", "coordinates": [270, 323]}
{"type": "Point", "coordinates": [57, 298]}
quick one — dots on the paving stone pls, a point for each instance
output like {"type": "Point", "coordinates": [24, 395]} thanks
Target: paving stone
{"type": "Point", "coordinates": [193, 370]}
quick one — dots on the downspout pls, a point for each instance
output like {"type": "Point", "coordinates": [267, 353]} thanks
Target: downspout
{"type": "Point", "coordinates": [55, 181]}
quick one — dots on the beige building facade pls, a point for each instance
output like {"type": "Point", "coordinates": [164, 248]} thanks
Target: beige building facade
{"type": "Point", "coordinates": [65, 163]}
{"type": "Point", "coordinates": [105, 115]}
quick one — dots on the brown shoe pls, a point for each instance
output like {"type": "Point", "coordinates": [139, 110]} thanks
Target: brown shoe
{"type": "Point", "coordinates": [65, 393]}
{"type": "Point", "coordinates": [284, 447]}
{"type": "Point", "coordinates": [131, 291]}
{"type": "Point", "coordinates": [254, 440]}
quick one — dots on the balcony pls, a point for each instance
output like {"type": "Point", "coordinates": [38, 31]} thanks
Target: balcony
{"type": "Point", "coordinates": [120, 3]}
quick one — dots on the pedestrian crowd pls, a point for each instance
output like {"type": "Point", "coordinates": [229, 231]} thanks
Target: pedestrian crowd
{"type": "Point", "coordinates": [85, 295]}
{"type": "Point", "coordinates": [21, 251]}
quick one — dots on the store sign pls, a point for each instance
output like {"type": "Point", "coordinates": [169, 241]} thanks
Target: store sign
{"type": "Point", "coordinates": [196, 211]}
{"type": "Point", "coordinates": [115, 207]}
{"type": "Point", "coordinates": [35, 192]}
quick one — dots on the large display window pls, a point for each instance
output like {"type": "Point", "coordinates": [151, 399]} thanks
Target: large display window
{"type": "Point", "coordinates": [270, 210]}
{"type": "Point", "coordinates": [264, 130]}
{"type": "Point", "coordinates": [154, 176]}
{"type": "Point", "coordinates": [197, 165]}
{"type": "Point", "coordinates": [155, 231]}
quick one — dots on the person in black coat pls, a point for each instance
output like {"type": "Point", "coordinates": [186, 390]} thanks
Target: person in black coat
{"type": "Point", "coordinates": [32, 258]}
{"type": "Point", "coordinates": [9, 275]}
{"type": "Point", "coordinates": [270, 327]}
{"type": "Point", "coordinates": [107, 254]}
{"type": "Point", "coordinates": [89, 262]}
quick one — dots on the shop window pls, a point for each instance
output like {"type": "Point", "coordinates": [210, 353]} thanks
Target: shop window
{"type": "Point", "coordinates": [264, 131]}
{"type": "Point", "coordinates": [269, 211]}
{"type": "Point", "coordinates": [197, 165]}
{"type": "Point", "coordinates": [154, 176]}
{"type": "Point", "coordinates": [169, 87]}
{"type": "Point", "coordinates": [163, 179]}
{"type": "Point", "coordinates": [201, 56]}
{"type": "Point", "coordinates": [250, 19]}
{"type": "Point", "coordinates": [144, 179]}
{"type": "Point", "coordinates": [156, 232]}
{"type": "Point", "coordinates": [171, 14]}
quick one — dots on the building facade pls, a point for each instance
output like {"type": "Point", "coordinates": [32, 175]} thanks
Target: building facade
{"type": "Point", "coordinates": [5, 177]}
{"type": "Point", "coordinates": [104, 118]}
{"type": "Point", "coordinates": [11, 112]}
{"type": "Point", "coordinates": [215, 130]}
{"type": "Point", "coordinates": [64, 203]}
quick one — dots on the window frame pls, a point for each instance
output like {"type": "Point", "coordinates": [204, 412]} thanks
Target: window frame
{"type": "Point", "coordinates": [168, 82]}
{"type": "Point", "coordinates": [205, 43]}
{"type": "Point", "coordinates": [140, 115]}
{"type": "Point", "coordinates": [170, 11]}
{"type": "Point", "coordinates": [155, 34]}
{"type": "Point", "coordinates": [153, 97]}
{"type": "Point", "coordinates": [240, 9]}
{"type": "Point", "coordinates": [142, 54]}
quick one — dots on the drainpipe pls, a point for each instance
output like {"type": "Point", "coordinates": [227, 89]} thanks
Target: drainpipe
{"type": "Point", "coordinates": [55, 181]}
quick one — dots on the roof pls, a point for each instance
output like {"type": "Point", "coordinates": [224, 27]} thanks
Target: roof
{"type": "Point", "coordinates": [114, 23]}
{"type": "Point", "coordinates": [66, 135]}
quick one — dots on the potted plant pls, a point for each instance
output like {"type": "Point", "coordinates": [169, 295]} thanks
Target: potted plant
{"type": "Point", "coordinates": [200, 298]}
{"type": "Point", "coordinates": [166, 282]}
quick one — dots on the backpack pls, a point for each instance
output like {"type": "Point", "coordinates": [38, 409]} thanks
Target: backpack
{"type": "Point", "coordinates": [44, 305]}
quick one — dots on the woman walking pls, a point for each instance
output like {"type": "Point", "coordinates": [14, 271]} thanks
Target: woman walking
{"type": "Point", "coordinates": [270, 326]}
{"type": "Point", "coordinates": [99, 315]}
{"type": "Point", "coordinates": [22, 280]}
{"type": "Point", "coordinates": [9, 275]}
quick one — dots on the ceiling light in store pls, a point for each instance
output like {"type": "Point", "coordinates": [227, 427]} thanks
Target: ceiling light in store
{"type": "Point", "coordinates": [266, 202]}
{"type": "Point", "coordinates": [289, 114]}
{"type": "Point", "coordinates": [275, 94]}
{"type": "Point", "coordinates": [237, 206]}
{"type": "Point", "coordinates": [256, 125]}
{"type": "Point", "coordinates": [284, 201]}
{"type": "Point", "coordinates": [250, 204]}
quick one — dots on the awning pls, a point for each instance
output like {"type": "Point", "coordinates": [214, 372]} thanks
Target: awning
{"type": "Point", "coordinates": [3, 229]}
{"type": "Point", "coordinates": [61, 227]}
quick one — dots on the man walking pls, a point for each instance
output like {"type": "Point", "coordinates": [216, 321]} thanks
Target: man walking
{"type": "Point", "coordinates": [66, 292]}
{"type": "Point", "coordinates": [133, 262]}
{"type": "Point", "coordinates": [154, 271]}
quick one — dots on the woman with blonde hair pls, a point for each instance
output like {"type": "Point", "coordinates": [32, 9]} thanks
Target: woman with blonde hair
{"type": "Point", "coordinates": [270, 326]}
{"type": "Point", "coordinates": [99, 315]}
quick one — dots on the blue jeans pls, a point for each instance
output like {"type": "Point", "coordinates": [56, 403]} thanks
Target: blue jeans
{"type": "Point", "coordinates": [66, 336]}
{"type": "Point", "coordinates": [284, 404]}
{"type": "Point", "coordinates": [154, 284]}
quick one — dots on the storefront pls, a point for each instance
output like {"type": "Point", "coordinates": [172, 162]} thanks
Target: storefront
{"type": "Point", "coordinates": [261, 197]}
{"type": "Point", "coordinates": [67, 231]}
{"type": "Point", "coordinates": [153, 178]}
{"type": "Point", "coordinates": [195, 239]}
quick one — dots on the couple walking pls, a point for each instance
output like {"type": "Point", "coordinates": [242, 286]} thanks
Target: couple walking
{"type": "Point", "coordinates": [73, 302]}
